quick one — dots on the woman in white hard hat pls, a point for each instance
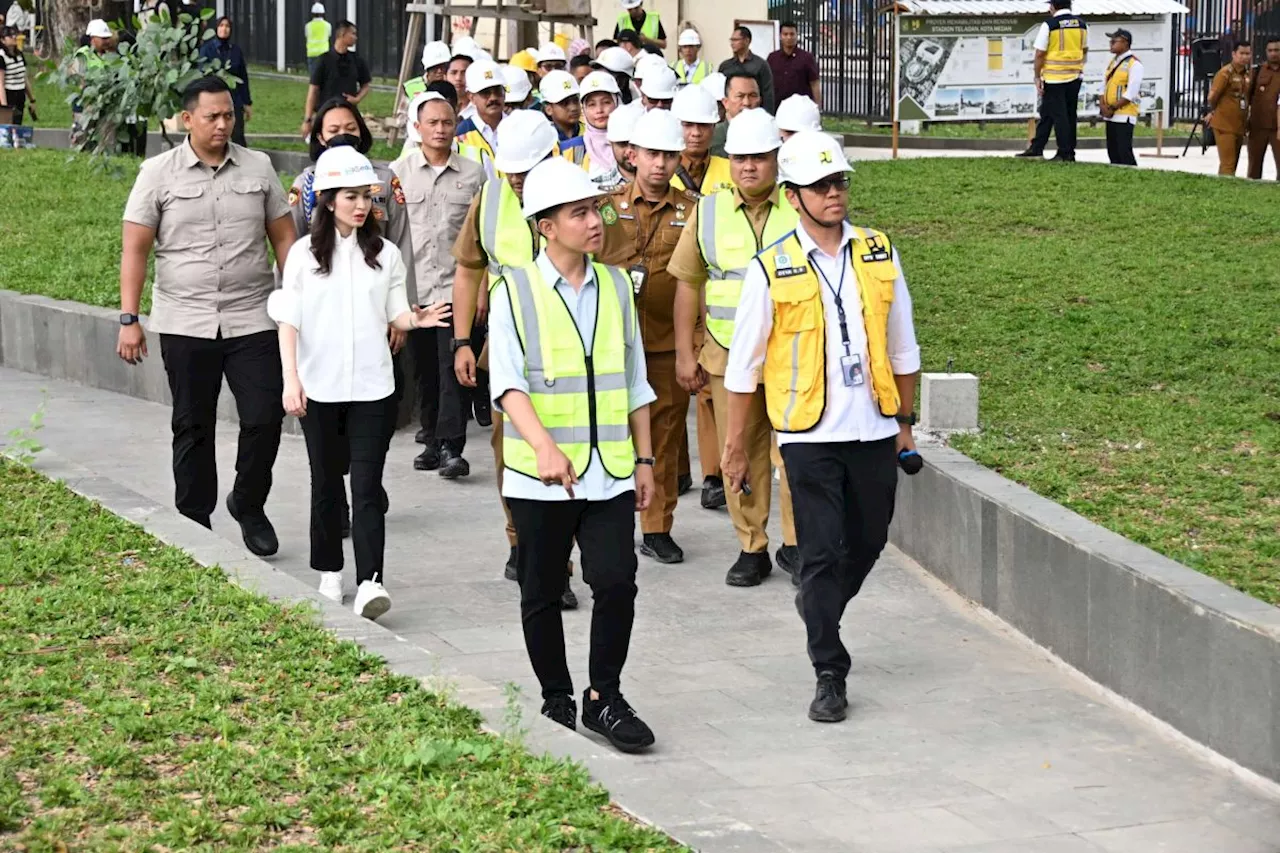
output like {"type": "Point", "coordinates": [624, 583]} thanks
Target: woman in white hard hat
{"type": "Point", "coordinates": [797, 113]}
{"type": "Point", "coordinates": [577, 453]}
{"type": "Point", "coordinates": [824, 324]}
{"type": "Point", "coordinates": [342, 285]}
{"type": "Point", "coordinates": [599, 95]}
{"type": "Point", "coordinates": [690, 69]}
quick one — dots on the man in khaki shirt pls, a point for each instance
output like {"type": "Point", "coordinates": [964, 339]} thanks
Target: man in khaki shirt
{"type": "Point", "coordinates": [1229, 105]}
{"type": "Point", "coordinates": [208, 207]}
{"type": "Point", "coordinates": [438, 187]}
{"type": "Point", "coordinates": [1264, 103]}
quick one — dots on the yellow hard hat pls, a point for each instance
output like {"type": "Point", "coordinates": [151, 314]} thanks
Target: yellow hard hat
{"type": "Point", "coordinates": [563, 40]}
{"type": "Point", "coordinates": [524, 61]}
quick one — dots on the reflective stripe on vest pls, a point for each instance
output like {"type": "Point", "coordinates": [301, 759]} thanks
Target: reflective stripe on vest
{"type": "Point", "coordinates": [1117, 81]}
{"type": "Point", "coordinates": [794, 376]}
{"type": "Point", "coordinates": [1064, 58]}
{"type": "Point", "coordinates": [718, 177]}
{"type": "Point", "coordinates": [582, 401]}
{"type": "Point", "coordinates": [317, 30]}
{"type": "Point", "coordinates": [649, 29]}
{"type": "Point", "coordinates": [504, 233]}
{"type": "Point", "coordinates": [699, 72]}
{"type": "Point", "coordinates": [728, 243]}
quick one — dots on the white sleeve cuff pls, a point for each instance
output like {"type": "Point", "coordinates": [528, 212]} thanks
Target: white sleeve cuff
{"type": "Point", "coordinates": [283, 307]}
{"type": "Point", "coordinates": [641, 396]}
{"type": "Point", "coordinates": [741, 381]}
{"type": "Point", "coordinates": [905, 363]}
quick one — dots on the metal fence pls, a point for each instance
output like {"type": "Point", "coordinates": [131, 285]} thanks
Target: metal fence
{"type": "Point", "coordinates": [1228, 21]}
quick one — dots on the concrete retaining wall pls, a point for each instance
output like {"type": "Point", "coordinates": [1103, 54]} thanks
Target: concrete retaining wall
{"type": "Point", "coordinates": [1192, 651]}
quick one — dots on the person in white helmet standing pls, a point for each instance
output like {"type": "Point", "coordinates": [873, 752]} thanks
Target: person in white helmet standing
{"type": "Point", "coordinates": [550, 57]}
{"type": "Point", "coordinates": [577, 450]}
{"type": "Point", "coordinates": [619, 63]}
{"type": "Point", "coordinates": [478, 135]}
{"type": "Point", "coordinates": [622, 123]}
{"type": "Point", "coordinates": [435, 64]}
{"type": "Point", "coordinates": [342, 285]}
{"type": "Point", "coordinates": [690, 68]}
{"type": "Point", "coordinates": [658, 87]}
{"type": "Point", "coordinates": [700, 170]}
{"type": "Point", "coordinates": [797, 113]}
{"type": "Point", "coordinates": [653, 37]}
{"type": "Point", "coordinates": [824, 324]}
{"type": "Point", "coordinates": [317, 32]}
{"type": "Point", "coordinates": [465, 51]}
{"type": "Point", "coordinates": [519, 89]}
{"type": "Point", "coordinates": [560, 95]}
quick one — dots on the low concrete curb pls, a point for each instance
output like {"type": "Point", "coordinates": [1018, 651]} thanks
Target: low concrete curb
{"type": "Point", "coordinates": [629, 780]}
{"type": "Point", "coordinates": [1189, 649]}
{"type": "Point", "coordinates": [936, 143]}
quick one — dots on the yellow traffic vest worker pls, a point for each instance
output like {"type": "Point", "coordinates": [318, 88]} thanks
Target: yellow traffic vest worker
{"type": "Point", "coordinates": [690, 68]}
{"type": "Point", "coordinates": [647, 24]}
{"type": "Point", "coordinates": [318, 32]}
{"type": "Point", "coordinates": [699, 170]}
{"type": "Point", "coordinates": [477, 136]}
{"type": "Point", "coordinates": [1064, 53]}
{"type": "Point", "coordinates": [824, 321]}
{"type": "Point", "coordinates": [1062, 45]}
{"type": "Point", "coordinates": [724, 234]}
{"type": "Point", "coordinates": [568, 371]}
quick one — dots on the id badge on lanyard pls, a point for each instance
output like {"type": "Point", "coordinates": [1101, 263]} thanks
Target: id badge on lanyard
{"type": "Point", "coordinates": [851, 372]}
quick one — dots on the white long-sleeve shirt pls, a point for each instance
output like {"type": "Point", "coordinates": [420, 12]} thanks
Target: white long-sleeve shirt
{"type": "Point", "coordinates": [851, 413]}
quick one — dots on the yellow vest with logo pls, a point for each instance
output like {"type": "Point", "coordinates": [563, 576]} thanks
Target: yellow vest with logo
{"type": "Point", "coordinates": [1068, 39]}
{"type": "Point", "coordinates": [728, 243]}
{"type": "Point", "coordinates": [650, 27]}
{"type": "Point", "coordinates": [1117, 81]}
{"type": "Point", "coordinates": [689, 76]}
{"type": "Point", "coordinates": [317, 31]}
{"type": "Point", "coordinates": [795, 368]}
{"type": "Point", "coordinates": [504, 232]}
{"type": "Point", "coordinates": [580, 398]}
{"type": "Point", "coordinates": [476, 148]}
{"type": "Point", "coordinates": [718, 177]}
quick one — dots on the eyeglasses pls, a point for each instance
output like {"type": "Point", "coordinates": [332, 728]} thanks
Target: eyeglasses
{"type": "Point", "coordinates": [825, 185]}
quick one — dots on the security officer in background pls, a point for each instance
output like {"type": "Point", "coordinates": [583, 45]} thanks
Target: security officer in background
{"type": "Point", "coordinates": [1120, 104]}
{"type": "Point", "coordinates": [208, 207]}
{"type": "Point", "coordinates": [1062, 47]}
{"type": "Point", "coordinates": [1263, 103]}
{"type": "Point", "coordinates": [495, 235]}
{"type": "Point", "coordinates": [724, 234]}
{"type": "Point", "coordinates": [824, 323]}
{"type": "Point", "coordinates": [643, 222]}
{"type": "Point", "coordinates": [1229, 107]}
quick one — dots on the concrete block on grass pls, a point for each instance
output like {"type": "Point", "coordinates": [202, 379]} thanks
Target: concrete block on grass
{"type": "Point", "coordinates": [949, 401]}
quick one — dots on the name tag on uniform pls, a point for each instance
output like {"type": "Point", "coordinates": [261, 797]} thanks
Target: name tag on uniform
{"type": "Point", "coordinates": [851, 370]}
{"type": "Point", "coordinates": [676, 223]}
{"type": "Point", "coordinates": [782, 267]}
{"type": "Point", "coordinates": [625, 216]}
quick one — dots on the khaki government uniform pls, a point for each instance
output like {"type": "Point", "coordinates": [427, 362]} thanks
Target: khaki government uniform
{"type": "Point", "coordinates": [436, 205]}
{"type": "Point", "coordinates": [1228, 98]}
{"type": "Point", "coordinates": [639, 232]}
{"type": "Point", "coordinates": [1262, 120]}
{"type": "Point", "coordinates": [750, 513]}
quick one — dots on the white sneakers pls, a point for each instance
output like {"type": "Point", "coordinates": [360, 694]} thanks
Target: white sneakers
{"type": "Point", "coordinates": [331, 586]}
{"type": "Point", "coordinates": [372, 600]}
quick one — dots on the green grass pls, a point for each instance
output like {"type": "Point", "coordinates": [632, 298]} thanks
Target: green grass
{"type": "Point", "coordinates": [149, 704]}
{"type": "Point", "coordinates": [991, 130]}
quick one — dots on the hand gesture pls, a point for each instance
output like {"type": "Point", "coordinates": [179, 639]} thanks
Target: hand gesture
{"type": "Point", "coordinates": [396, 339]}
{"type": "Point", "coordinates": [644, 487]}
{"type": "Point", "coordinates": [131, 343]}
{"type": "Point", "coordinates": [555, 467]}
{"type": "Point", "coordinates": [733, 465]}
{"type": "Point", "coordinates": [690, 374]}
{"type": "Point", "coordinates": [433, 317]}
{"type": "Point", "coordinates": [295, 399]}
{"type": "Point", "coordinates": [464, 367]}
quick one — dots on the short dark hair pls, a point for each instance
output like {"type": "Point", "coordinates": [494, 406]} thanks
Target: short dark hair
{"type": "Point", "coordinates": [447, 89]}
{"type": "Point", "coordinates": [580, 60]}
{"type": "Point", "coordinates": [738, 75]}
{"type": "Point", "coordinates": [604, 43]}
{"type": "Point", "coordinates": [743, 32]}
{"type": "Point", "coordinates": [1236, 46]}
{"type": "Point", "coordinates": [1060, 4]}
{"type": "Point", "coordinates": [788, 25]}
{"type": "Point", "coordinates": [211, 84]}
{"type": "Point", "coordinates": [343, 28]}
{"type": "Point", "coordinates": [1273, 40]}
{"type": "Point", "coordinates": [630, 37]}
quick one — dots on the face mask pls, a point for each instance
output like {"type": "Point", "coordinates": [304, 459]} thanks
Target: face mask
{"type": "Point", "coordinates": [342, 139]}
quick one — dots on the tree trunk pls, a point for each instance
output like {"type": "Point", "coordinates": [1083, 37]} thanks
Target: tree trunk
{"type": "Point", "coordinates": [64, 19]}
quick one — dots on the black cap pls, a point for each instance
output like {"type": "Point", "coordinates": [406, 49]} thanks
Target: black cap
{"type": "Point", "coordinates": [630, 37]}
{"type": "Point", "coordinates": [1124, 34]}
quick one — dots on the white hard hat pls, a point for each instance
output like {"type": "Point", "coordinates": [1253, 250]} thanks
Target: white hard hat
{"type": "Point", "coordinates": [752, 132]}
{"type": "Point", "coordinates": [483, 75]}
{"type": "Point", "coordinates": [714, 83]}
{"type": "Point", "coordinates": [598, 81]}
{"type": "Point", "coordinates": [660, 84]}
{"type": "Point", "coordinates": [616, 59]}
{"type": "Point", "coordinates": [98, 29]}
{"type": "Point", "coordinates": [622, 122]}
{"type": "Point", "coordinates": [689, 38]}
{"type": "Point", "coordinates": [630, 4]}
{"type": "Point", "coordinates": [549, 52]}
{"type": "Point", "coordinates": [648, 63]}
{"type": "Point", "coordinates": [518, 85]}
{"type": "Point", "coordinates": [810, 156]}
{"type": "Point", "coordinates": [435, 53]}
{"type": "Point", "coordinates": [464, 46]}
{"type": "Point", "coordinates": [694, 104]}
{"type": "Point", "coordinates": [525, 138]}
{"type": "Point", "coordinates": [555, 182]}
{"type": "Point", "coordinates": [799, 112]}
{"type": "Point", "coordinates": [658, 130]}
{"type": "Point", "coordinates": [317, 8]}
{"type": "Point", "coordinates": [343, 166]}
{"type": "Point", "coordinates": [414, 106]}
{"type": "Point", "coordinates": [558, 86]}
{"type": "Point", "coordinates": [481, 55]}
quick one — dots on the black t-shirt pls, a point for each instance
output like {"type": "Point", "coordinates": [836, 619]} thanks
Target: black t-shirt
{"type": "Point", "coordinates": [339, 74]}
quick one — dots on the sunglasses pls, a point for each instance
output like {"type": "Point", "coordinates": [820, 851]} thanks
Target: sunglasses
{"type": "Point", "coordinates": [825, 185]}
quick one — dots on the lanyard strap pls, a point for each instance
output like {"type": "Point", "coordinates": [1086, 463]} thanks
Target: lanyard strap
{"type": "Point", "coordinates": [835, 291]}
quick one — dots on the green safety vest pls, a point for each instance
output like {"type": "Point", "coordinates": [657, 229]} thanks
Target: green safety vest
{"type": "Point", "coordinates": [91, 57]}
{"type": "Point", "coordinates": [690, 76]}
{"type": "Point", "coordinates": [504, 234]}
{"type": "Point", "coordinates": [728, 243]}
{"type": "Point", "coordinates": [581, 399]}
{"type": "Point", "coordinates": [649, 29]}
{"type": "Point", "coordinates": [414, 86]}
{"type": "Point", "coordinates": [317, 30]}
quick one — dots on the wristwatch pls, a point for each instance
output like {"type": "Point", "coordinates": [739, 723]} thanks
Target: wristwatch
{"type": "Point", "coordinates": [458, 343]}
{"type": "Point", "coordinates": [645, 460]}
{"type": "Point", "coordinates": [908, 420]}
{"type": "Point", "coordinates": [128, 319]}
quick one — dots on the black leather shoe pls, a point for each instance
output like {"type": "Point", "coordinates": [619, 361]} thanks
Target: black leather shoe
{"type": "Point", "coordinates": [750, 569]}
{"type": "Point", "coordinates": [428, 459]}
{"type": "Point", "coordinates": [484, 415]}
{"type": "Point", "coordinates": [684, 483]}
{"type": "Point", "coordinates": [510, 571]}
{"type": "Point", "coordinates": [452, 465]}
{"type": "Point", "coordinates": [614, 718]}
{"type": "Point", "coordinates": [1058, 158]}
{"type": "Point", "coordinates": [424, 437]}
{"type": "Point", "coordinates": [661, 547]}
{"type": "Point", "coordinates": [830, 704]}
{"type": "Point", "coordinates": [713, 493]}
{"type": "Point", "coordinates": [561, 709]}
{"type": "Point", "coordinates": [568, 601]}
{"type": "Point", "coordinates": [788, 558]}
{"type": "Point", "coordinates": [259, 535]}
{"type": "Point", "coordinates": [1031, 153]}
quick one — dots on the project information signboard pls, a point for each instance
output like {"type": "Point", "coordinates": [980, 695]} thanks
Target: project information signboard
{"type": "Point", "coordinates": [971, 68]}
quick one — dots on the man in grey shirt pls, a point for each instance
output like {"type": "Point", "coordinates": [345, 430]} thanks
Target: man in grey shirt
{"type": "Point", "coordinates": [208, 207]}
{"type": "Point", "coordinates": [744, 61]}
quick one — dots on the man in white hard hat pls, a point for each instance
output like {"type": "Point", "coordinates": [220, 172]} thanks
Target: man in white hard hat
{"type": "Point", "coordinates": [478, 135]}
{"type": "Point", "coordinates": [619, 63]}
{"type": "Point", "coordinates": [317, 32]}
{"type": "Point", "coordinates": [658, 88]}
{"type": "Point", "coordinates": [564, 109]}
{"type": "Point", "coordinates": [494, 234]}
{"type": "Point", "coordinates": [647, 24]}
{"type": "Point", "coordinates": [824, 324]}
{"type": "Point", "coordinates": [690, 68]}
{"type": "Point", "coordinates": [578, 450]}
{"type": "Point", "coordinates": [519, 89]}
{"type": "Point", "coordinates": [699, 169]}
{"type": "Point", "coordinates": [797, 113]}
{"type": "Point", "coordinates": [550, 57]}
{"type": "Point", "coordinates": [643, 222]}
{"type": "Point", "coordinates": [622, 123]}
{"type": "Point", "coordinates": [464, 49]}
{"type": "Point", "coordinates": [723, 235]}
{"type": "Point", "coordinates": [435, 64]}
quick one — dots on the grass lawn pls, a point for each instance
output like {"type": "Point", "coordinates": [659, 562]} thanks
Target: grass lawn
{"type": "Point", "coordinates": [992, 130]}
{"type": "Point", "coordinates": [150, 704]}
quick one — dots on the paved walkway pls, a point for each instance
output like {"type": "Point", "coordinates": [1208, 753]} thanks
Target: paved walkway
{"type": "Point", "coordinates": [962, 736]}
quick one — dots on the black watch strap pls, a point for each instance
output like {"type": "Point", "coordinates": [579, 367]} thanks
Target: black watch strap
{"type": "Point", "coordinates": [128, 319]}
{"type": "Point", "coordinates": [458, 343]}
{"type": "Point", "coordinates": [909, 420]}
{"type": "Point", "coordinates": [645, 460]}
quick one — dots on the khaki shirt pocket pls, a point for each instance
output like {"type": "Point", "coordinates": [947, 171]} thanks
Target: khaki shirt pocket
{"type": "Point", "coordinates": [186, 204]}
{"type": "Point", "coordinates": [456, 205]}
{"type": "Point", "coordinates": [247, 200]}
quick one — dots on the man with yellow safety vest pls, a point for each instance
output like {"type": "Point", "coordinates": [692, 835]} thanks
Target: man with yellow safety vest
{"type": "Point", "coordinates": [435, 62]}
{"type": "Point", "coordinates": [700, 170]}
{"type": "Point", "coordinates": [317, 32]}
{"type": "Point", "coordinates": [690, 68]}
{"type": "Point", "coordinates": [648, 25]}
{"type": "Point", "coordinates": [478, 135]}
{"type": "Point", "coordinates": [570, 375]}
{"type": "Point", "coordinates": [1062, 46]}
{"type": "Point", "coordinates": [724, 234]}
{"type": "Point", "coordinates": [1120, 102]}
{"type": "Point", "coordinates": [824, 324]}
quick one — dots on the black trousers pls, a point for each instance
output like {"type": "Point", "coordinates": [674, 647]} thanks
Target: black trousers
{"type": "Point", "coordinates": [605, 532]}
{"type": "Point", "coordinates": [1058, 109]}
{"type": "Point", "coordinates": [1120, 143]}
{"type": "Point", "coordinates": [237, 134]}
{"type": "Point", "coordinates": [425, 348]}
{"type": "Point", "coordinates": [843, 497]}
{"type": "Point", "coordinates": [18, 100]}
{"type": "Point", "coordinates": [452, 402]}
{"type": "Point", "coordinates": [339, 434]}
{"type": "Point", "coordinates": [195, 367]}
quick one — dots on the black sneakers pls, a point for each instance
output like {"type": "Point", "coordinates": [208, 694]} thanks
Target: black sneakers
{"type": "Point", "coordinates": [829, 704]}
{"type": "Point", "coordinates": [616, 720]}
{"type": "Point", "coordinates": [259, 536]}
{"type": "Point", "coordinates": [713, 493]}
{"type": "Point", "coordinates": [661, 547]}
{"type": "Point", "coordinates": [1030, 154]}
{"type": "Point", "coordinates": [568, 601]}
{"type": "Point", "coordinates": [452, 465]}
{"type": "Point", "coordinates": [428, 459]}
{"type": "Point", "coordinates": [788, 558]}
{"type": "Point", "coordinates": [684, 483]}
{"type": "Point", "coordinates": [510, 571]}
{"type": "Point", "coordinates": [750, 569]}
{"type": "Point", "coordinates": [561, 709]}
